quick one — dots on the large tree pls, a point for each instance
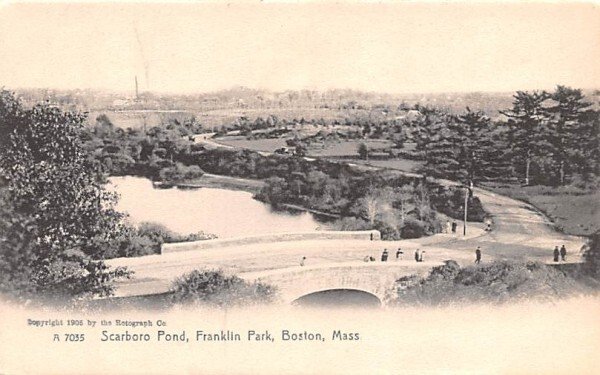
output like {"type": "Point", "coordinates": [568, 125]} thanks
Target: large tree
{"type": "Point", "coordinates": [434, 138]}
{"type": "Point", "coordinates": [54, 200]}
{"type": "Point", "coordinates": [526, 128]}
{"type": "Point", "coordinates": [569, 134]}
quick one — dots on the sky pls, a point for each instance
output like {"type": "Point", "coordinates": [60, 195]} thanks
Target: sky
{"type": "Point", "coordinates": [384, 47]}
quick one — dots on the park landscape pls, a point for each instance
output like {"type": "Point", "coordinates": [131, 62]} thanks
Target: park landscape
{"type": "Point", "coordinates": [245, 197]}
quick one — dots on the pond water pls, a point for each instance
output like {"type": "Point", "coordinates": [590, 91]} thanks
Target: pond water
{"type": "Point", "coordinates": [226, 213]}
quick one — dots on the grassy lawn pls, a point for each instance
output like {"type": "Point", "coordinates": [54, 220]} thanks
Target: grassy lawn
{"type": "Point", "coordinates": [268, 145]}
{"type": "Point", "coordinates": [345, 148]}
{"type": "Point", "coordinates": [399, 164]}
{"type": "Point", "coordinates": [573, 211]}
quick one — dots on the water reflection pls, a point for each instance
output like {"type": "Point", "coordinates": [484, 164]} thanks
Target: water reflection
{"type": "Point", "coordinates": [226, 213]}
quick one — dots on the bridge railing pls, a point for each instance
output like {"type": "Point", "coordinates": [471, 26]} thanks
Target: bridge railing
{"type": "Point", "coordinates": [280, 237]}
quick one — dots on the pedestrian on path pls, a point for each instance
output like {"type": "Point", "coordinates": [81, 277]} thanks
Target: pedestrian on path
{"type": "Point", "coordinates": [563, 253]}
{"type": "Point", "coordinates": [478, 255]}
{"type": "Point", "coordinates": [302, 261]}
{"type": "Point", "coordinates": [454, 225]}
{"type": "Point", "coordinates": [384, 255]}
{"type": "Point", "coordinates": [398, 253]}
{"type": "Point", "coordinates": [417, 255]}
{"type": "Point", "coordinates": [556, 253]}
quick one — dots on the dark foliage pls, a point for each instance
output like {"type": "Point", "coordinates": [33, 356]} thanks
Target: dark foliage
{"type": "Point", "coordinates": [496, 282]}
{"type": "Point", "coordinates": [214, 288]}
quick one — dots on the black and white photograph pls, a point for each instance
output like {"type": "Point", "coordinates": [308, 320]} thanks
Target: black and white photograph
{"type": "Point", "coordinates": [295, 187]}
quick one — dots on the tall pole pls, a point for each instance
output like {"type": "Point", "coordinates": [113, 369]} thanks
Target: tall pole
{"type": "Point", "coordinates": [466, 205]}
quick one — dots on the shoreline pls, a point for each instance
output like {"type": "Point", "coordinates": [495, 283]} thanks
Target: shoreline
{"type": "Point", "coordinates": [217, 181]}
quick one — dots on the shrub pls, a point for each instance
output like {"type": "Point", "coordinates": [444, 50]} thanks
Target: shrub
{"type": "Point", "coordinates": [216, 289]}
{"type": "Point", "coordinates": [180, 173]}
{"type": "Point", "coordinates": [351, 223]}
{"type": "Point", "coordinates": [413, 228]}
{"type": "Point", "coordinates": [496, 282]}
{"type": "Point", "coordinates": [591, 255]}
{"type": "Point", "coordinates": [388, 231]}
{"type": "Point", "coordinates": [147, 239]}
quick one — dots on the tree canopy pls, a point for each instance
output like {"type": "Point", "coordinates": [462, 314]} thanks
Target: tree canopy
{"type": "Point", "coordinates": [57, 219]}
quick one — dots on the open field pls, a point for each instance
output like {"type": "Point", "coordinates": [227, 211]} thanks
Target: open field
{"type": "Point", "coordinates": [572, 211]}
{"type": "Point", "coordinates": [404, 165]}
{"type": "Point", "coordinates": [345, 148]}
{"type": "Point", "coordinates": [267, 145]}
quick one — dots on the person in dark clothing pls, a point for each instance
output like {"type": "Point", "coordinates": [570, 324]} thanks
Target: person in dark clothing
{"type": "Point", "coordinates": [398, 252]}
{"type": "Point", "coordinates": [556, 253]}
{"type": "Point", "coordinates": [563, 253]}
{"type": "Point", "coordinates": [371, 236]}
{"type": "Point", "coordinates": [478, 255]}
{"type": "Point", "coordinates": [417, 255]}
{"type": "Point", "coordinates": [454, 225]}
{"type": "Point", "coordinates": [384, 255]}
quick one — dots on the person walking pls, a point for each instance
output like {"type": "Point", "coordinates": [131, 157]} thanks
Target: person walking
{"type": "Point", "coordinates": [556, 253]}
{"type": "Point", "coordinates": [454, 225]}
{"type": "Point", "coordinates": [384, 255]}
{"type": "Point", "coordinates": [417, 255]}
{"type": "Point", "coordinates": [302, 261]}
{"type": "Point", "coordinates": [478, 255]}
{"type": "Point", "coordinates": [398, 253]}
{"type": "Point", "coordinates": [563, 253]}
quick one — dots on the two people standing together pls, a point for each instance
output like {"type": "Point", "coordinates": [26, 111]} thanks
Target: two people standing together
{"type": "Point", "coordinates": [562, 253]}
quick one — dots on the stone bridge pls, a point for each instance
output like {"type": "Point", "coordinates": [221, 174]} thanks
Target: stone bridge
{"type": "Point", "coordinates": [375, 278]}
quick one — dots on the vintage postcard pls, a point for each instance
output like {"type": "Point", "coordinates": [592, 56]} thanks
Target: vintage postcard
{"type": "Point", "coordinates": [299, 187]}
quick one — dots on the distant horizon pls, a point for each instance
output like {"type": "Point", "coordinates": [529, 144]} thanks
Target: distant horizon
{"type": "Point", "coordinates": [238, 87]}
{"type": "Point", "coordinates": [391, 48]}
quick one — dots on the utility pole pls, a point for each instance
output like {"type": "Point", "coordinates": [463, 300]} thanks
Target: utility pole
{"type": "Point", "coordinates": [468, 192]}
{"type": "Point", "coordinates": [466, 205]}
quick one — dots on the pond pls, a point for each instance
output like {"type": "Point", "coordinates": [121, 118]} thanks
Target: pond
{"type": "Point", "coordinates": [226, 213]}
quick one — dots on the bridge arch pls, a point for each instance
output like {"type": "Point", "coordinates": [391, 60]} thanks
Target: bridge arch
{"type": "Point", "coordinates": [375, 279]}
{"type": "Point", "coordinates": [339, 297]}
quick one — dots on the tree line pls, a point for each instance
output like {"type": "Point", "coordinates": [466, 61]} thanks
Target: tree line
{"type": "Point", "coordinates": [548, 138]}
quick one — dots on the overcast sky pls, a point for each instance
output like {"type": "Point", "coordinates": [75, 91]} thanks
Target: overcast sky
{"type": "Point", "coordinates": [390, 48]}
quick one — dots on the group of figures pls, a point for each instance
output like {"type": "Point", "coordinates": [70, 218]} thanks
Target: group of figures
{"type": "Point", "coordinates": [560, 255]}
{"type": "Point", "coordinates": [399, 252]}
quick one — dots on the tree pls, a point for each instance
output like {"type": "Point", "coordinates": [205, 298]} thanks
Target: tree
{"type": "Point", "coordinates": [526, 129]}
{"type": "Point", "coordinates": [567, 135]}
{"type": "Point", "coordinates": [476, 150]}
{"type": "Point", "coordinates": [363, 151]}
{"type": "Point", "coordinates": [434, 138]}
{"type": "Point", "coordinates": [58, 196]}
